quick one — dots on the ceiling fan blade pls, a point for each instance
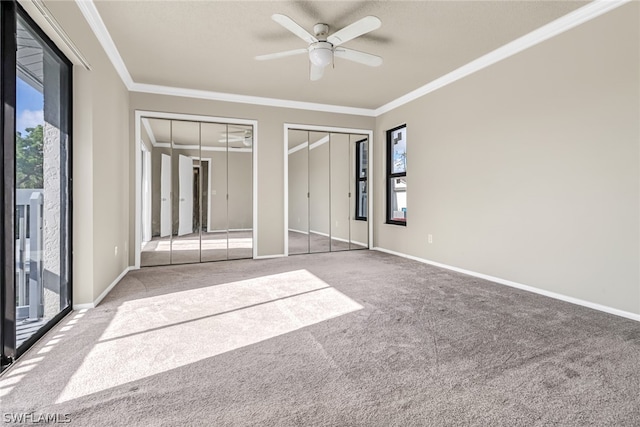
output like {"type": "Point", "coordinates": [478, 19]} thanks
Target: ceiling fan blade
{"type": "Point", "coordinates": [357, 56]}
{"type": "Point", "coordinates": [358, 28]}
{"type": "Point", "coordinates": [316, 72]}
{"type": "Point", "coordinates": [296, 29]}
{"type": "Point", "coordinates": [282, 54]}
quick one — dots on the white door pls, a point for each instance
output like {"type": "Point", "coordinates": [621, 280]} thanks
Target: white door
{"type": "Point", "coordinates": [146, 196]}
{"type": "Point", "coordinates": [185, 187]}
{"type": "Point", "coordinates": [165, 196]}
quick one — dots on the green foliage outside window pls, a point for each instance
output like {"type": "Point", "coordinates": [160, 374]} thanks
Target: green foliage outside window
{"type": "Point", "coordinates": [29, 158]}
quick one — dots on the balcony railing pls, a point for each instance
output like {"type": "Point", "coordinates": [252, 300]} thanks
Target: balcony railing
{"type": "Point", "coordinates": [29, 267]}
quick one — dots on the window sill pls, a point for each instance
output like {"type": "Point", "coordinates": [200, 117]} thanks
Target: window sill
{"type": "Point", "coordinates": [396, 222]}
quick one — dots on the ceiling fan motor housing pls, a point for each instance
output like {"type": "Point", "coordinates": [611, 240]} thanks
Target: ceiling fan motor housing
{"type": "Point", "coordinates": [321, 31]}
{"type": "Point", "coordinates": [321, 53]}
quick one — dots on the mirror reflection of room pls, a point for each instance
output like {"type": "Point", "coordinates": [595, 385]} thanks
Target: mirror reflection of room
{"type": "Point", "coordinates": [197, 191]}
{"type": "Point", "coordinates": [327, 191]}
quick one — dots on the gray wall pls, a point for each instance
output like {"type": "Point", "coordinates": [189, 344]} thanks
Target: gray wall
{"type": "Point", "coordinates": [529, 170]}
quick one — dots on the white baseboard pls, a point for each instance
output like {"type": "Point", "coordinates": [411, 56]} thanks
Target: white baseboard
{"type": "Point", "coordinates": [97, 301]}
{"type": "Point", "coordinates": [516, 285]}
{"type": "Point", "coordinates": [332, 238]}
{"type": "Point", "coordinates": [269, 256]}
{"type": "Point", "coordinates": [338, 238]}
{"type": "Point", "coordinates": [231, 229]}
{"type": "Point", "coordinates": [298, 231]}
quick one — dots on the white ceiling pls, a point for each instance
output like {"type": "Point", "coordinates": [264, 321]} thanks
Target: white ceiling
{"type": "Point", "coordinates": [210, 45]}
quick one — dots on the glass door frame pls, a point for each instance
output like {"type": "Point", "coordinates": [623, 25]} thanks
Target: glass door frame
{"type": "Point", "coordinates": [330, 130]}
{"type": "Point", "coordinates": [139, 115]}
{"type": "Point", "coordinates": [9, 13]}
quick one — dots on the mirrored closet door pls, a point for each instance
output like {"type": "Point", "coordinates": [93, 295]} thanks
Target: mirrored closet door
{"type": "Point", "coordinates": [319, 192]}
{"type": "Point", "coordinates": [197, 191]}
{"type": "Point", "coordinates": [327, 192]}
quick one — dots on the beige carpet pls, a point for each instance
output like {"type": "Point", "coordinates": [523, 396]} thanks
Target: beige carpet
{"type": "Point", "coordinates": [355, 338]}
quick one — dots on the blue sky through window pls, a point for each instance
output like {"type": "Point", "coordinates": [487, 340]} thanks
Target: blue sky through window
{"type": "Point", "coordinates": [29, 106]}
{"type": "Point", "coordinates": [399, 138]}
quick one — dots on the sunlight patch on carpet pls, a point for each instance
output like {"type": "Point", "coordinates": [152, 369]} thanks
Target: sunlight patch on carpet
{"type": "Point", "coordinates": [153, 335]}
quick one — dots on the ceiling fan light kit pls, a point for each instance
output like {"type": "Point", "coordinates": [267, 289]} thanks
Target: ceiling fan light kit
{"type": "Point", "coordinates": [321, 53]}
{"type": "Point", "coordinates": [322, 48]}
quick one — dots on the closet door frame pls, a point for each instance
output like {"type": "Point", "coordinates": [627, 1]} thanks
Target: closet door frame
{"type": "Point", "coordinates": [139, 114]}
{"type": "Point", "coordinates": [328, 129]}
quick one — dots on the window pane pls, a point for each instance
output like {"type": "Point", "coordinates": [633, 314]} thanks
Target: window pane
{"type": "Point", "coordinates": [363, 161]}
{"type": "Point", "coordinates": [399, 147]}
{"type": "Point", "coordinates": [398, 208]}
{"type": "Point", "coordinates": [361, 179]}
{"type": "Point", "coordinates": [42, 211]}
{"type": "Point", "coordinates": [362, 199]}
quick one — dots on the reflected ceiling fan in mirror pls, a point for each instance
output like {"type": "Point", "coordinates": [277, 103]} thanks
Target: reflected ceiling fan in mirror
{"type": "Point", "coordinates": [323, 48]}
{"type": "Point", "coordinates": [238, 135]}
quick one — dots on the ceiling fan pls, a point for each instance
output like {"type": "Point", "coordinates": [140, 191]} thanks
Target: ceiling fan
{"type": "Point", "coordinates": [242, 135]}
{"type": "Point", "coordinates": [323, 48]}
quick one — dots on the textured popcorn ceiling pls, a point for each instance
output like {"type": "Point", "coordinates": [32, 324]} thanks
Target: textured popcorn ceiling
{"type": "Point", "coordinates": [210, 45]}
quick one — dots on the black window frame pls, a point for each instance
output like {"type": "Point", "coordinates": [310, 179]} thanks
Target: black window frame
{"type": "Point", "coordinates": [360, 179]}
{"type": "Point", "coordinates": [390, 176]}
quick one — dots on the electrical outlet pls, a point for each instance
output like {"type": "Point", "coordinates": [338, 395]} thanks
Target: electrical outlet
{"type": "Point", "coordinates": [429, 238]}
{"type": "Point", "coordinates": [115, 251]}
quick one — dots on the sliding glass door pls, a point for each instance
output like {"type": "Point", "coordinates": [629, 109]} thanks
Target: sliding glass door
{"type": "Point", "coordinates": [37, 209]}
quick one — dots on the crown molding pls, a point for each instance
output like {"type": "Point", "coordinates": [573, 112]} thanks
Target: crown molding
{"type": "Point", "coordinates": [91, 14]}
{"type": "Point", "coordinates": [247, 99]}
{"type": "Point", "coordinates": [552, 29]}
